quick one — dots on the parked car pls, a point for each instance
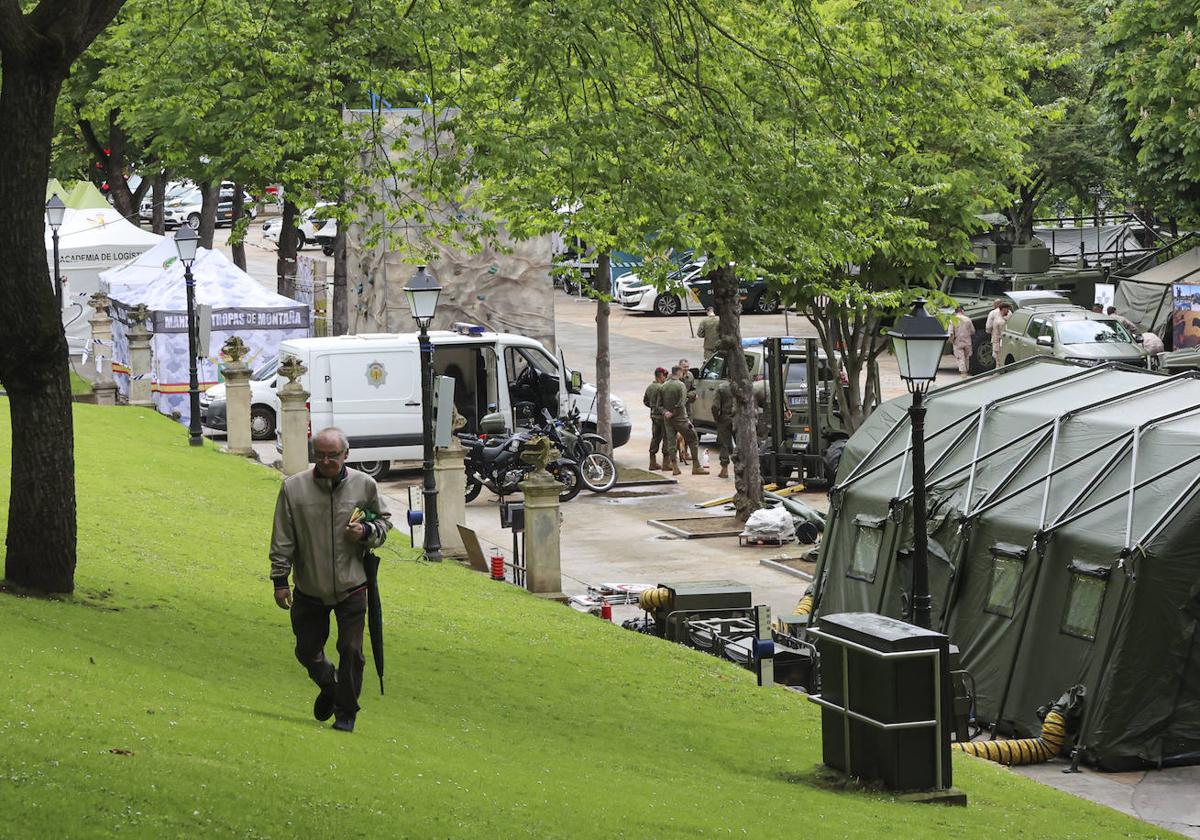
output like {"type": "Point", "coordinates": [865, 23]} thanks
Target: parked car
{"type": "Point", "coordinates": [185, 208]}
{"type": "Point", "coordinates": [977, 305]}
{"type": "Point", "coordinates": [1069, 332]}
{"type": "Point", "coordinates": [689, 291]}
{"type": "Point", "coordinates": [174, 190]}
{"type": "Point", "coordinates": [264, 405]}
{"type": "Point", "coordinates": [310, 229]}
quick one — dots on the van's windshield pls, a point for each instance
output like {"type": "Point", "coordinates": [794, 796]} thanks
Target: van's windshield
{"type": "Point", "coordinates": [266, 370]}
{"type": "Point", "coordinates": [1092, 332]}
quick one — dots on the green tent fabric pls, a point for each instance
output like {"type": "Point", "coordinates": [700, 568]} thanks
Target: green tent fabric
{"type": "Point", "coordinates": [1146, 298]}
{"type": "Point", "coordinates": [1061, 505]}
{"type": "Point", "coordinates": [54, 187]}
{"type": "Point", "coordinates": [85, 196]}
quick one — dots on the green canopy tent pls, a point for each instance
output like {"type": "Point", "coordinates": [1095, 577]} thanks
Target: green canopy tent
{"type": "Point", "coordinates": [85, 196]}
{"type": "Point", "coordinates": [1061, 507]}
{"type": "Point", "coordinates": [1146, 297]}
{"type": "Point", "coordinates": [55, 187]}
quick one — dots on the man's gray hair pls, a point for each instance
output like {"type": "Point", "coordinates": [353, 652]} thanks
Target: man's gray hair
{"type": "Point", "coordinates": [337, 433]}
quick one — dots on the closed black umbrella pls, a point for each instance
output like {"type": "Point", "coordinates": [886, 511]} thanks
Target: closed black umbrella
{"type": "Point", "coordinates": [374, 612]}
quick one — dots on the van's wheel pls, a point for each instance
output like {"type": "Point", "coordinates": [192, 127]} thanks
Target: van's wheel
{"type": "Point", "coordinates": [982, 359]}
{"type": "Point", "coordinates": [666, 304]}
{"type": "Point", "coordinates": [300, 240]}
{"type": "Point", "coordinates": [262, 423]}
{"type": "Point", "coordinates": [474, 485]}
{"type": "Point", "coordinates": [371, 468]}
{"type": "Point", "coordinates": [833, 458]}
{"type": "Point", "coordinates": [767, 303]}
{"type": "Point", "coordinates": [327, 250]}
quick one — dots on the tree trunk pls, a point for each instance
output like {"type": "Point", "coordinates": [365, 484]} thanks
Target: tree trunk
{"type": "Point", "coordinates": [747, 475]}
{"type": "Point", "coordinates": [603, 368]}
{"type": "Point", "coordinates": [157, 223]}
{"type": "Point", "coordinates": [237, 234]}
{"type": "Point", "coordinates": [33, 349]}
{"type": "Point", "coordinates": [285, 266]}
{"type": "Point", "coordinates": [210, 195]}
{"type": "Point", "coordinates": [111, 157]}
{"type": "Point", "coordinates": [341, 312]}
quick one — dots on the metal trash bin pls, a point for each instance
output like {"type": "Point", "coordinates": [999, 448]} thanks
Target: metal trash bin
{"type": "Point", "coordinates": [886, 701]}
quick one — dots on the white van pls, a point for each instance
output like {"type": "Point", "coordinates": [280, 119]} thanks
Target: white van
{"type": "Point", "coordinates": [370, 386]}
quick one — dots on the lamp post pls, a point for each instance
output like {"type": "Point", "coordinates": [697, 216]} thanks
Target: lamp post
{"type": "Point", "coordinates": [422, 292]}
{"type": "Point", "coordinates": [56, 211]}
{"type": "Point", "coordinates": [187, 241]}
{"type": "Point", "coordinates": [918, 340]}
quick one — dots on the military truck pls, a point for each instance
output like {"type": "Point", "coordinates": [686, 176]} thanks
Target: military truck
{"type": "Point", "coordinates": [812, 433]}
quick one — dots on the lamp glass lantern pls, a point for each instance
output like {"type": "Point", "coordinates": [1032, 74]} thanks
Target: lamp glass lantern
{"type": "Point", "coordinates": [56, 211]}
{"type": "Point", "coordinates": [187, 242]}
{"type": "Point", "coordinates": [918, 340]}
{"type": "Point", "coordinates": [422, 292]}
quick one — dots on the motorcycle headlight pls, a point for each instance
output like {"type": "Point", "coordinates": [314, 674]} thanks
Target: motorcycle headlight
{"type": "Point", "coordinates": [618, 406]}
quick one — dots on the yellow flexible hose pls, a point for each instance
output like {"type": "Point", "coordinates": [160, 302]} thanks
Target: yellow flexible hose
{"type": "Point", "coordinates": [805, 606]}
{"type": "Point", "coordinates": [652, 599]}
{"type": "Point", "coordinates": [1024, 750]}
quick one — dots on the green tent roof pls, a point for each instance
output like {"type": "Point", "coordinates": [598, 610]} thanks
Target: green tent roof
{"type": "Point", "coordinates": [1061, 506]}
{"type": "Point", "coordinates": [54, 187]}
{"type": "Point", "coordinates": [85, 196]}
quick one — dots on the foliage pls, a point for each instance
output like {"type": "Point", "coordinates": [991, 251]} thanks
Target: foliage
{"type": "Point", "coordinates": [164, 698]}
{"type": "Point", "coordinates": [1151, 93]}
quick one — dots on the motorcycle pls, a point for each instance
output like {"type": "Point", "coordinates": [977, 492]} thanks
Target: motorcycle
{"type": "Point", "coordinates": [495, 463]}
{"type": "Point", "coordinates": [596, 469]}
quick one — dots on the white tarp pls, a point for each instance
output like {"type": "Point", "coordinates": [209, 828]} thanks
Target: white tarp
{"type": "Point", "coordinates": [240, 306]}
{"type": "Point", "coordinates": [1108, 242]}
{"type": "Point", "coordinates": [90, 241]}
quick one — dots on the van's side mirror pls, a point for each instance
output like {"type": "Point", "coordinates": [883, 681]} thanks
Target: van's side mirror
{"type": "Point", "coordinates": [576, 384]}
{"type": "Point", "coordinates": [272, 383]}
{"type": "Point", "coordinates": [1045, 341]}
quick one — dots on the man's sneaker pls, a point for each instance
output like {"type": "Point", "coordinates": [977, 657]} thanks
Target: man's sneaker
{"type": "Point", "coordinates": [323, 705]}
{"type": "Point", "coordinates": [344, 723]}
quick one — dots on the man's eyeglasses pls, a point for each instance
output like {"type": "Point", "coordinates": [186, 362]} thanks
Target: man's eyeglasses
{"type": "Point", "coordinates": [328, 456]}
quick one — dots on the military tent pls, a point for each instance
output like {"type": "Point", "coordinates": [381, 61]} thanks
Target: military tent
{"type": "Point", "coordinates": [1062, 505]}
{"type": "Point", "coordinates": [1146, 297]}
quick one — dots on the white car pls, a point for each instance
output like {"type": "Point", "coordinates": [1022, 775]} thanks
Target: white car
{"type": "Point", "coordinates": [173, 191]}
{"type": "Point", "coordinates": [185, 208]}
{"type": "Point", "coordinates": [309, 229]}
{"type": "Point", "coordinates": [637, 295]}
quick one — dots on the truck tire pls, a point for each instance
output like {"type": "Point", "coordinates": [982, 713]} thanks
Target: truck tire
{"type": "Point", "coordinates": [981, 359]}
{"type": "Point", "coordinates": [833, 458]}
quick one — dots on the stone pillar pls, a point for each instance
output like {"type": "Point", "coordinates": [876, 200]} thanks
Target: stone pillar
{"type": "Point", "coordinates": [293, 427]}
{"type": "Point", "coordinates": [543, 562]}
{"type": "Point", "coordinates": [104, 387]}
{"type": "Point", "coordinates": [450, 476]}
{"type": "Point", "coordinates": [237, 397]}
{"type": "Point", "coordinates": [139, 356]}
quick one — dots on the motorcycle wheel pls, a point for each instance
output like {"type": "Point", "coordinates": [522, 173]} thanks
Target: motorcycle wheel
{"type": "Point", "coordinates": [598, 472]}
{"type": "Point", "coordinates": [568, 476]}
{"type": "Point", "coordinates": [473, 488]}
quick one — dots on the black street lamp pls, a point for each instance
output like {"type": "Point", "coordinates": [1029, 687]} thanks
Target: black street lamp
{"type": "Point", "coordinates": [56, 211]}
{"type": "Point", "coordinates": [918, 340]}
{"type": "Point", "coordinates": [422, 292]}
{"type": "Point", "coordinates": [187, 241]}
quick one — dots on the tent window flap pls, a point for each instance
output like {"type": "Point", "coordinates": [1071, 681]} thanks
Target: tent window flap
{"type": "Point", "coordinates": [1085, 598]}
{"type": "Point", "coordinates": [1008, 562]}
{"type": "Point", "coordinates": [868, 538]}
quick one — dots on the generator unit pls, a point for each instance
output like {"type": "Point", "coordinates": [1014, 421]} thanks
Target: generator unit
{"type": "Point", "coordinates": [698, 599]}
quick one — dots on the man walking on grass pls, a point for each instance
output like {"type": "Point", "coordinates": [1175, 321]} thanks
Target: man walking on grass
{"type": "Point", "coordinates": [315, 540]}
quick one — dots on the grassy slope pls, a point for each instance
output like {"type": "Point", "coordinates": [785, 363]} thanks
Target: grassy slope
{"type": "Point", "coordinates": [504, 715]}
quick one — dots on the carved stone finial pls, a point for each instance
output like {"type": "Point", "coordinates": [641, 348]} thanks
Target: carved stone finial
{"type": "Point", "coordinates": [457, 421]}
{"type": "Point", "coordinates": [100, 302]}
{"type": "Point", "coordinates": [539, 452]}
{"type": "Point", "coordinates": [234, 350]}
{"type": "Point", "coordinates": [292, 369]}
{"type": "Point", "coordinates": [139, 315]}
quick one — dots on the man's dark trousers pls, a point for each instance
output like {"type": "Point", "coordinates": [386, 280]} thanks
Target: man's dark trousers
{"type": "Point", "coordinates": [310, 623]}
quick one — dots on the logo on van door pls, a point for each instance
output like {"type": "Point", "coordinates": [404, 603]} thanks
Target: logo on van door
{"type": "Point", "coordinates": [376, 374]}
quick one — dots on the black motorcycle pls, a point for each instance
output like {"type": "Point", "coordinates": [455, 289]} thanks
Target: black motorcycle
{"type": "Point", "coordinates": [495, 462]}
{"type": "Point", "coordinates": [596, 469]}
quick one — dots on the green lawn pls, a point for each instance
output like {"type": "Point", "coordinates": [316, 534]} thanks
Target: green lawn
{"type": "Point", "coordinates": [505, 716]}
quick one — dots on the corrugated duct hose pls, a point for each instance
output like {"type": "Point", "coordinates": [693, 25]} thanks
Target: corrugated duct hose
{"type": "Point", "coordinates": [1055, 721]}
{"type": "Point", "coordinates": [652, 599]}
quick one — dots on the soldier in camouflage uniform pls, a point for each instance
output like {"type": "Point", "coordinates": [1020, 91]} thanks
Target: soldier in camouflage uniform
{"type": "Point", "coordinates": [723, 410]}
{"type": "Point", "coordinates": [675, 421]}
{"type": "Point", "coordinates": [652, 399]}
{"type": "Point", "coordinates": [709, 330]}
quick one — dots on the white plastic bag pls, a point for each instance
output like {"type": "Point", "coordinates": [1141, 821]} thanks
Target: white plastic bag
{"type": "Point", "coordinates": [770, 524]}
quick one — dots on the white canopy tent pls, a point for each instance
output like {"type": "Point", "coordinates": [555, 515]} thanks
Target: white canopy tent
{"type": "Point", "coordinates": [240, 307]}
{"type": "Point", "coordinates": [90, 241]}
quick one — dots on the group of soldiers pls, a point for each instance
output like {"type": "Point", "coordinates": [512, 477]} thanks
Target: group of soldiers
{"type": "Point", "coordinates": [670, 397]}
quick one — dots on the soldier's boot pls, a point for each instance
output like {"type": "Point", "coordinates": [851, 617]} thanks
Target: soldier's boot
{"type": "Point", "coordinates": [674, 467]}
{"type": "Point", "coordinates": [724, 473]}
{"type": "Point", "coordinates": [697, 468]}
{"type": "Point", "coordinates": [654, 461]}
